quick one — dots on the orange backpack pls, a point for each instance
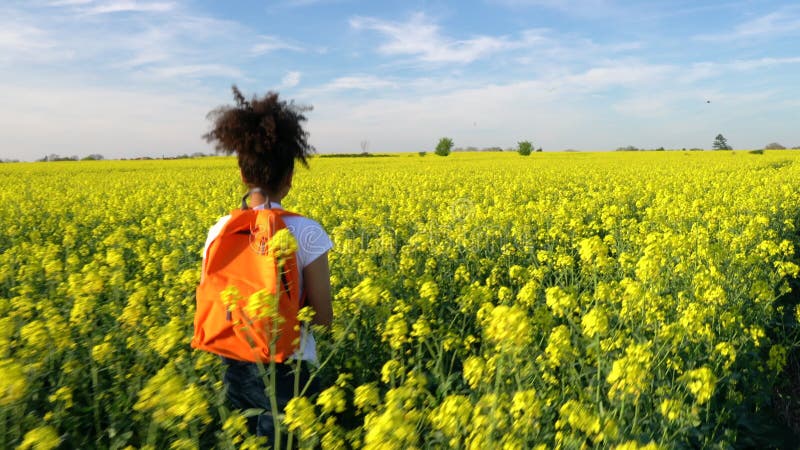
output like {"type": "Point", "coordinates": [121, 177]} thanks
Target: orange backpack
{"type": "Point", "coordinates": [240, 325]}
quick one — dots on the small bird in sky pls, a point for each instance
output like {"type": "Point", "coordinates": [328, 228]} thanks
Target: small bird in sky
{"type": "Point", "coordinates": [708, 101]}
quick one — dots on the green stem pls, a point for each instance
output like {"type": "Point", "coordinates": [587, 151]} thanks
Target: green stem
{"type": "Point", "coordinates": [330, 356]}
{"type": "Point", "coordinates": [3, 428]}
{"type": "Point", "coordinates": [296, 386]}
{"type": "Point", "coordinates": [95, 402]}
{"type": "Point", "coordinates": [599, 373]}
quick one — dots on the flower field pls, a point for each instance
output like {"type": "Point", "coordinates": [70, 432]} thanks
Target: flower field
{"type": "Point", "coordinates": [575, 300]}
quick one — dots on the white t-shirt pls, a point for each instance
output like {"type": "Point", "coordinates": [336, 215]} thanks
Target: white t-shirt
{"type": "Point", "coordinates": [312, 242]}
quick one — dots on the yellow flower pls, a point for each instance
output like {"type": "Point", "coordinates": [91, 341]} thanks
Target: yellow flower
{"type": "Point", "coordinates": [777, 358]}
{"type": "Point", "coordinates": [701, 383]}
{"type": "Point", "coordinates": [306, 314]}
{"type": "Point", "coordinates": [560, 302]}
{"type": "Point", "coordinates": [301, 419]}
{"type": "Point", "coordinates": [728, 352]}
{"type": "Point", "coordinates": [230, 297]}
{"type": "Point", "coordinates": [559, 348]}
{"type": "Point", "coordinates": [508, 327]}
{"type": "Point", "coordinates": [366, 397]}
{"type": "Point", "coordinates": [421, 328]}
{"type": "Point", "coordinates": [396, 331]}
{"type": "Point", "coordinates": [473, 372]}
{"type": "Point", "coordinates": [630, 374]}
{"type": "Point", "coordinates": [171, 398]}
{"type": "Point", "coordinates": [13, 382]}
{"type": "Point", "coordinates": [671, 409]}
{"type": "Point", "coordinates": [163, 339]}
{"type": "Point", "coordinates": [62, 394]}
{"type": "Point", "coordinates": [528, 294]}
{"type": "Point", "coordinates": [282, 244]}
{"type": "Point", "coordinates": [391, 370]}
{"type": "Point", "coordinates": [263, 304]}
{"type": "Point", "coordinates": [41, 438]}
{"type": "Point", "coordinates": [332, 400]}
{"type": "Point", "coordinates": [595, 322]}
{"type": "Point", "coordinates": [579, 417]}
{"type": "Point", "coordinates": [452, 417]}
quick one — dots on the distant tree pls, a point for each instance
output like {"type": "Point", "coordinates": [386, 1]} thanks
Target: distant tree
{"type": "Point", "coordinates": [444, 146]}
{"type": "Point", "coordinates": [774, 146]}
{"type": "Point", "coordinates": [660, 149]}
{"type": "Point", "coordinates": [55, 157]}
{"type": "Point", "coordinates": [629, 148]}
{"type": "Point", "coordinates": [539, 149]}
{"type": "Point", "coordinates": [198, 155]}
{"type": "Point", "coordinates": [524, 148]}
{"type": "Point", "coordinates": [93, 157]}
{"type": "Point", "coordinates": [720, 143]}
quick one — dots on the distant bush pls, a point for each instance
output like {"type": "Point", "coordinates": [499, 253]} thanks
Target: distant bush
{"type": "Point", "coordinates": [54, 157]}
{"type": "Point", "coordinates": [524, 148]}
{"type": "Point", "coordinates": [353, 155]}
{"type": "Point", "coordinates": [629, 148]}
{"type": "Point", "coordinates": [774, 146]}
{"type": "Point", "coordinates": [444, 146]}
{"type": "Point", "coordinates": [720, 143]}
{"type": "Point", "coordinates": [757, 152]}
{"type": "Point", "coordinates": [423, 153]}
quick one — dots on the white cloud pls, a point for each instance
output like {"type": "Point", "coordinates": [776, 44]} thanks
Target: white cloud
{"type": "Point", "coordinates": [593, 9]}
{"type": "Point", "coordinates": [627, 74]}
{"type": "Point", "coordinates": [421, 38]}
{"type": "Point", "coordinates": [568, 5]}
{"type": "Point", "coordinates": [782, 22]}
{"type": "Point", "coordinates": [706, 69]}
{"type": "Point", "coordinates": [22, 37]}
{"type": "Point", "coordinates": [193, 71]}
{"type": "Point", "coordinates": [70, 2]}
{"type": "Point", "coordinates": [350, 83]}
{"type": "Point", "coordinates": [117, 6]}
{"type": "Point", "coordinates": [23, 42]}
{"type": "Point", "coordinates": [291, 79]}
{"type": "Point", "coordinates": [268, 44]}
{"type": "Point", "coordinates": [73, 120]}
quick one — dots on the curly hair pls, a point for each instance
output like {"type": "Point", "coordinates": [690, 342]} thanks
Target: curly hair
{"type": "Point", "coordinates": [266, 134]}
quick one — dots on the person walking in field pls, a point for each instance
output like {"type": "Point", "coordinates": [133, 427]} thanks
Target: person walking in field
{"type": "Point", "coordinates": [255, 277]}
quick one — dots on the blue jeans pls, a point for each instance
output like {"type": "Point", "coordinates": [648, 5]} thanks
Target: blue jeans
{"type": "Point", "coordinates": [245, 389]}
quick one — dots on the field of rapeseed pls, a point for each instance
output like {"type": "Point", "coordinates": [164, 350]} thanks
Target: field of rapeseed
{"type": "Point", "coordinates": [481, 300]}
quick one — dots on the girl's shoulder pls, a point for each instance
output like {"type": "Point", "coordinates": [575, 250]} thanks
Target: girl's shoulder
{"type": "Point", "coordinates": [312, 240]}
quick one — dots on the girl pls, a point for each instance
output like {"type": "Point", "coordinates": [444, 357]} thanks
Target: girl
{"type": "Point", "coordinates": [267, 136]}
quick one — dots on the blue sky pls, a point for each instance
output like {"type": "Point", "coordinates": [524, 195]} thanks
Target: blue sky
{"type": "Point", "coordinates": [129, 78]}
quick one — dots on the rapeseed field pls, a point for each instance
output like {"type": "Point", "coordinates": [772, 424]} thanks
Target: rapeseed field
{"type": "Point", "coordinates": [571, 300]}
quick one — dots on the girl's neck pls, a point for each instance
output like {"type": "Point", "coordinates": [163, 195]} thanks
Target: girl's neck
{"type": "Point", "coordinates": [257, 198]}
